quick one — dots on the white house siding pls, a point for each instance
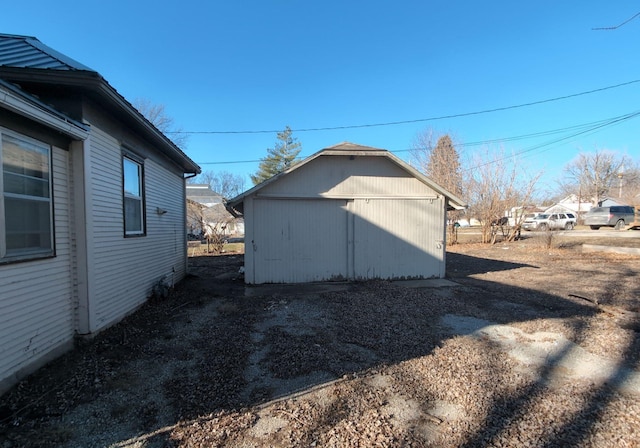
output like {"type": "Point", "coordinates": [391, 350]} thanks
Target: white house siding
{"type": "Point", "coordinates": [126, 269]}
{"type": "Point", "coordinates": [340, 217]}
{"type": "Point", "coordinates": [36, 310]}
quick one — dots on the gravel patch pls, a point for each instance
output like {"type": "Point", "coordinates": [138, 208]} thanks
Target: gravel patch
{"type": "Point", "coordinates": [526, 346]}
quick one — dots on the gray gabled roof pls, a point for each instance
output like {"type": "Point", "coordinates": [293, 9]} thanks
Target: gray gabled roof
{"type": "Point", "coordinates": [203, 194]}
{"type": "Point", "coordinates": [351, 149]}
{"type": "Point", "coordinates": [24, 60]}
{"type": "Point", "coordinates": [29, 52]}
{"type": "Point", "coordinates": [348, 146]}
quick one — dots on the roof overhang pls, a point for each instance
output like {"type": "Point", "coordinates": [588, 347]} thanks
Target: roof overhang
{"type": "Point", "coordinates": [21, 103]}
{"type": "Point", "coordinates": [93, 84]}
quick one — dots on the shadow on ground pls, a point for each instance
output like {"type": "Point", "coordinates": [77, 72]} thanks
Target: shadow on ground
{"type": "Point", "coordinates": [210, 349]}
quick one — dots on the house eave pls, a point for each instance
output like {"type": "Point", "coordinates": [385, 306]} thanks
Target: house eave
{"type": "Point", "coordinates": [94, 84]}
{"type": "Point", "coordinates": [19, 103]}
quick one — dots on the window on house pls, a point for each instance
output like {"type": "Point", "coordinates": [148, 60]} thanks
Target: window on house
{"type": "Point", "coordinates": [26, 209]}
{"type": "Point", "coordinates": [133, 197]}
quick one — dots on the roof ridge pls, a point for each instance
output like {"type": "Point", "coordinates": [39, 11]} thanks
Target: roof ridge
{"type": "Point", "coordinates": [62, 58]}
{"type": "Point", "coordinates": [350, 146]}
{"type": "Point", "coordinates": [19, 36]}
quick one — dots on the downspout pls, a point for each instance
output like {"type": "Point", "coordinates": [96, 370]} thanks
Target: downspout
{"type": "Point", "coordinates": [83, 226]}
{"type": "Point", "coordinates": [444, 208]}
{"type": "Point", "coordinates": [185, 244]}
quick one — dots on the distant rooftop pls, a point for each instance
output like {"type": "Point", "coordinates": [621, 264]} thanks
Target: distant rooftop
{"type": "Point", "coordinates": [201, 190]}
{"type": "Point", "coordinates": [203, 194]}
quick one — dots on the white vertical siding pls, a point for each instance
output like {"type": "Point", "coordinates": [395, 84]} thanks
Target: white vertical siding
{"type": "Point", "coordinates": [36, 310]}
{"type": "Point", "coordinates": [299, 240]}
{"type": "Point", "coordinates": [358, 217]}
{"type": "Point", "coordinates": [341, 176]}
{"type": "Point", "coordinates": [398, 238]}
{"type": "Point", "coordinates": [126, 269]}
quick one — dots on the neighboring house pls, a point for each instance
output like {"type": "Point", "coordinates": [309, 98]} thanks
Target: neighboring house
{"type": "Point", "coordinates": [92, 205]}
{"type": "Point", "coordinates": [347, 212]}
{"type": "Point", "coordinates": [203, 194]}
{"type": "Point", "coordinates": [571, 204]}
{"type": "Point", "coordinates": [609, 202]}
{"type": "Point", "coordinates": [516, 215]}
{"type": "Point", "coordinates": [206, 212]}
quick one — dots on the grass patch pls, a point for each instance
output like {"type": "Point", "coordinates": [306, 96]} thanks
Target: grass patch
{"type": "Point", "coordinates": [233, 248]}
{"type": "Point", "coordinates": [227, 248]}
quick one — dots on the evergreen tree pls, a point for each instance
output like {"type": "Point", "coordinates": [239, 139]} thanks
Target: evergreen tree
{"type": "Point", "coordinates": [279, 158]}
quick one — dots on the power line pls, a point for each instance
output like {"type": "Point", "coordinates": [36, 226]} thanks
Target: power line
{"type": "Point", "coordinates": [533, 135]}
{"type": "Point", "coordinates": [419, 120]}
{"type": "Point", "coordinates": [548, 145]}
{"type": "Point", "coordinates": [583, 129]}
{"type": "Point", "coordinates": [229, 163]}
{"type": "Point", "coordinates": [617, 26]}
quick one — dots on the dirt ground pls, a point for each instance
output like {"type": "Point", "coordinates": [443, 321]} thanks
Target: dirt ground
{"type": "Point", "coordinates": [524, 346]}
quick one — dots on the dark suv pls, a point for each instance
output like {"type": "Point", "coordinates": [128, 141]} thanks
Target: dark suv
{"type": "Point", "coordinates": [616, 216]}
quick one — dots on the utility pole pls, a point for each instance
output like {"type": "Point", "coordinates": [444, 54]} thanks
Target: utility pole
{"type": "Point", "coordinates": [620, 185]}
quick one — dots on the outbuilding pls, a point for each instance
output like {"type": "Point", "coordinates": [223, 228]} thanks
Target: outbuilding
{"type": "Point", "coordinates": [347, 212]}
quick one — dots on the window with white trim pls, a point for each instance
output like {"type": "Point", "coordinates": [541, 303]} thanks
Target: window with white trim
{"type": "Point", "coordinates": [26, 207]}
{"type": "Point", "coordinates": [133, 197]}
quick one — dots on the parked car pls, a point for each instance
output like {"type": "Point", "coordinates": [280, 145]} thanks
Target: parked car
{"type": "Point", "coordinates": [504, 221]}
{"type": "Point", "coordinates": [616, 216]}
{"type": "Point", "coordinates": [550, 221]}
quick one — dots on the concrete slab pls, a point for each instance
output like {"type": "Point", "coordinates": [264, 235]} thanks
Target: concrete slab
{"type": "Point", "coordinates": [610, 249]}
{"type": "Point", "coordinates": [296, 289]}
{"type": "Point", "coordinates": [309, 289]}
{"type": "Point", "coordinates": [426, 283]}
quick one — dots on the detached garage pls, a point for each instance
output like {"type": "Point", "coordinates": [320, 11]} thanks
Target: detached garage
{"type": "Point", "coordinates": [348, 212]}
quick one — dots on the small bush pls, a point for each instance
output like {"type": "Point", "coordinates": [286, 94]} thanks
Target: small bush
{"type": "Point", "coordinates": [547, 238]}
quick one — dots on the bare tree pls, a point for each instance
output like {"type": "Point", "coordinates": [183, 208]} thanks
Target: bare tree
{"type": "Point", "coordinates": [157, 115]}
{"type": "Point", "coordinates": [498, 186]}
{"type": "Point", "coordinates": [629, 183]}
{"type": "Point", "coordinates": [212, 224]}
{"type": "Point", "coordinates": [441, 163]}
{"type": "Point", "coordinates": [196, 218]}
{"type": "Point", "coordinates": [226, 184]}
{"type": "Point", "coordinates": [421, 150]}
{"type": "Point", "coordinates": [597, 174]}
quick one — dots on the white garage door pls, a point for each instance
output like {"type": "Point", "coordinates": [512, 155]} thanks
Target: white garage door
{"type": "Point", "coordinates": [398, 238]}
{"type": "Point", "coordinates": [299, 240]}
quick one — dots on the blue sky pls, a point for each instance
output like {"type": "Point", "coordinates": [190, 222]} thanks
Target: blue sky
{"type": "Point", "coordinates": [263, 65]}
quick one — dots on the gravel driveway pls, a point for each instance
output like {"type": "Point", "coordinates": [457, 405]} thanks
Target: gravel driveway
{"type": "Point", "coordinates": [514, 352]}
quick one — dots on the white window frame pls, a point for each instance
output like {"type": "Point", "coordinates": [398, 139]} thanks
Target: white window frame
{"type": "Point", "coordinates": [6, 254]}
{"type": "Point", "coordinates": [128, 196]}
